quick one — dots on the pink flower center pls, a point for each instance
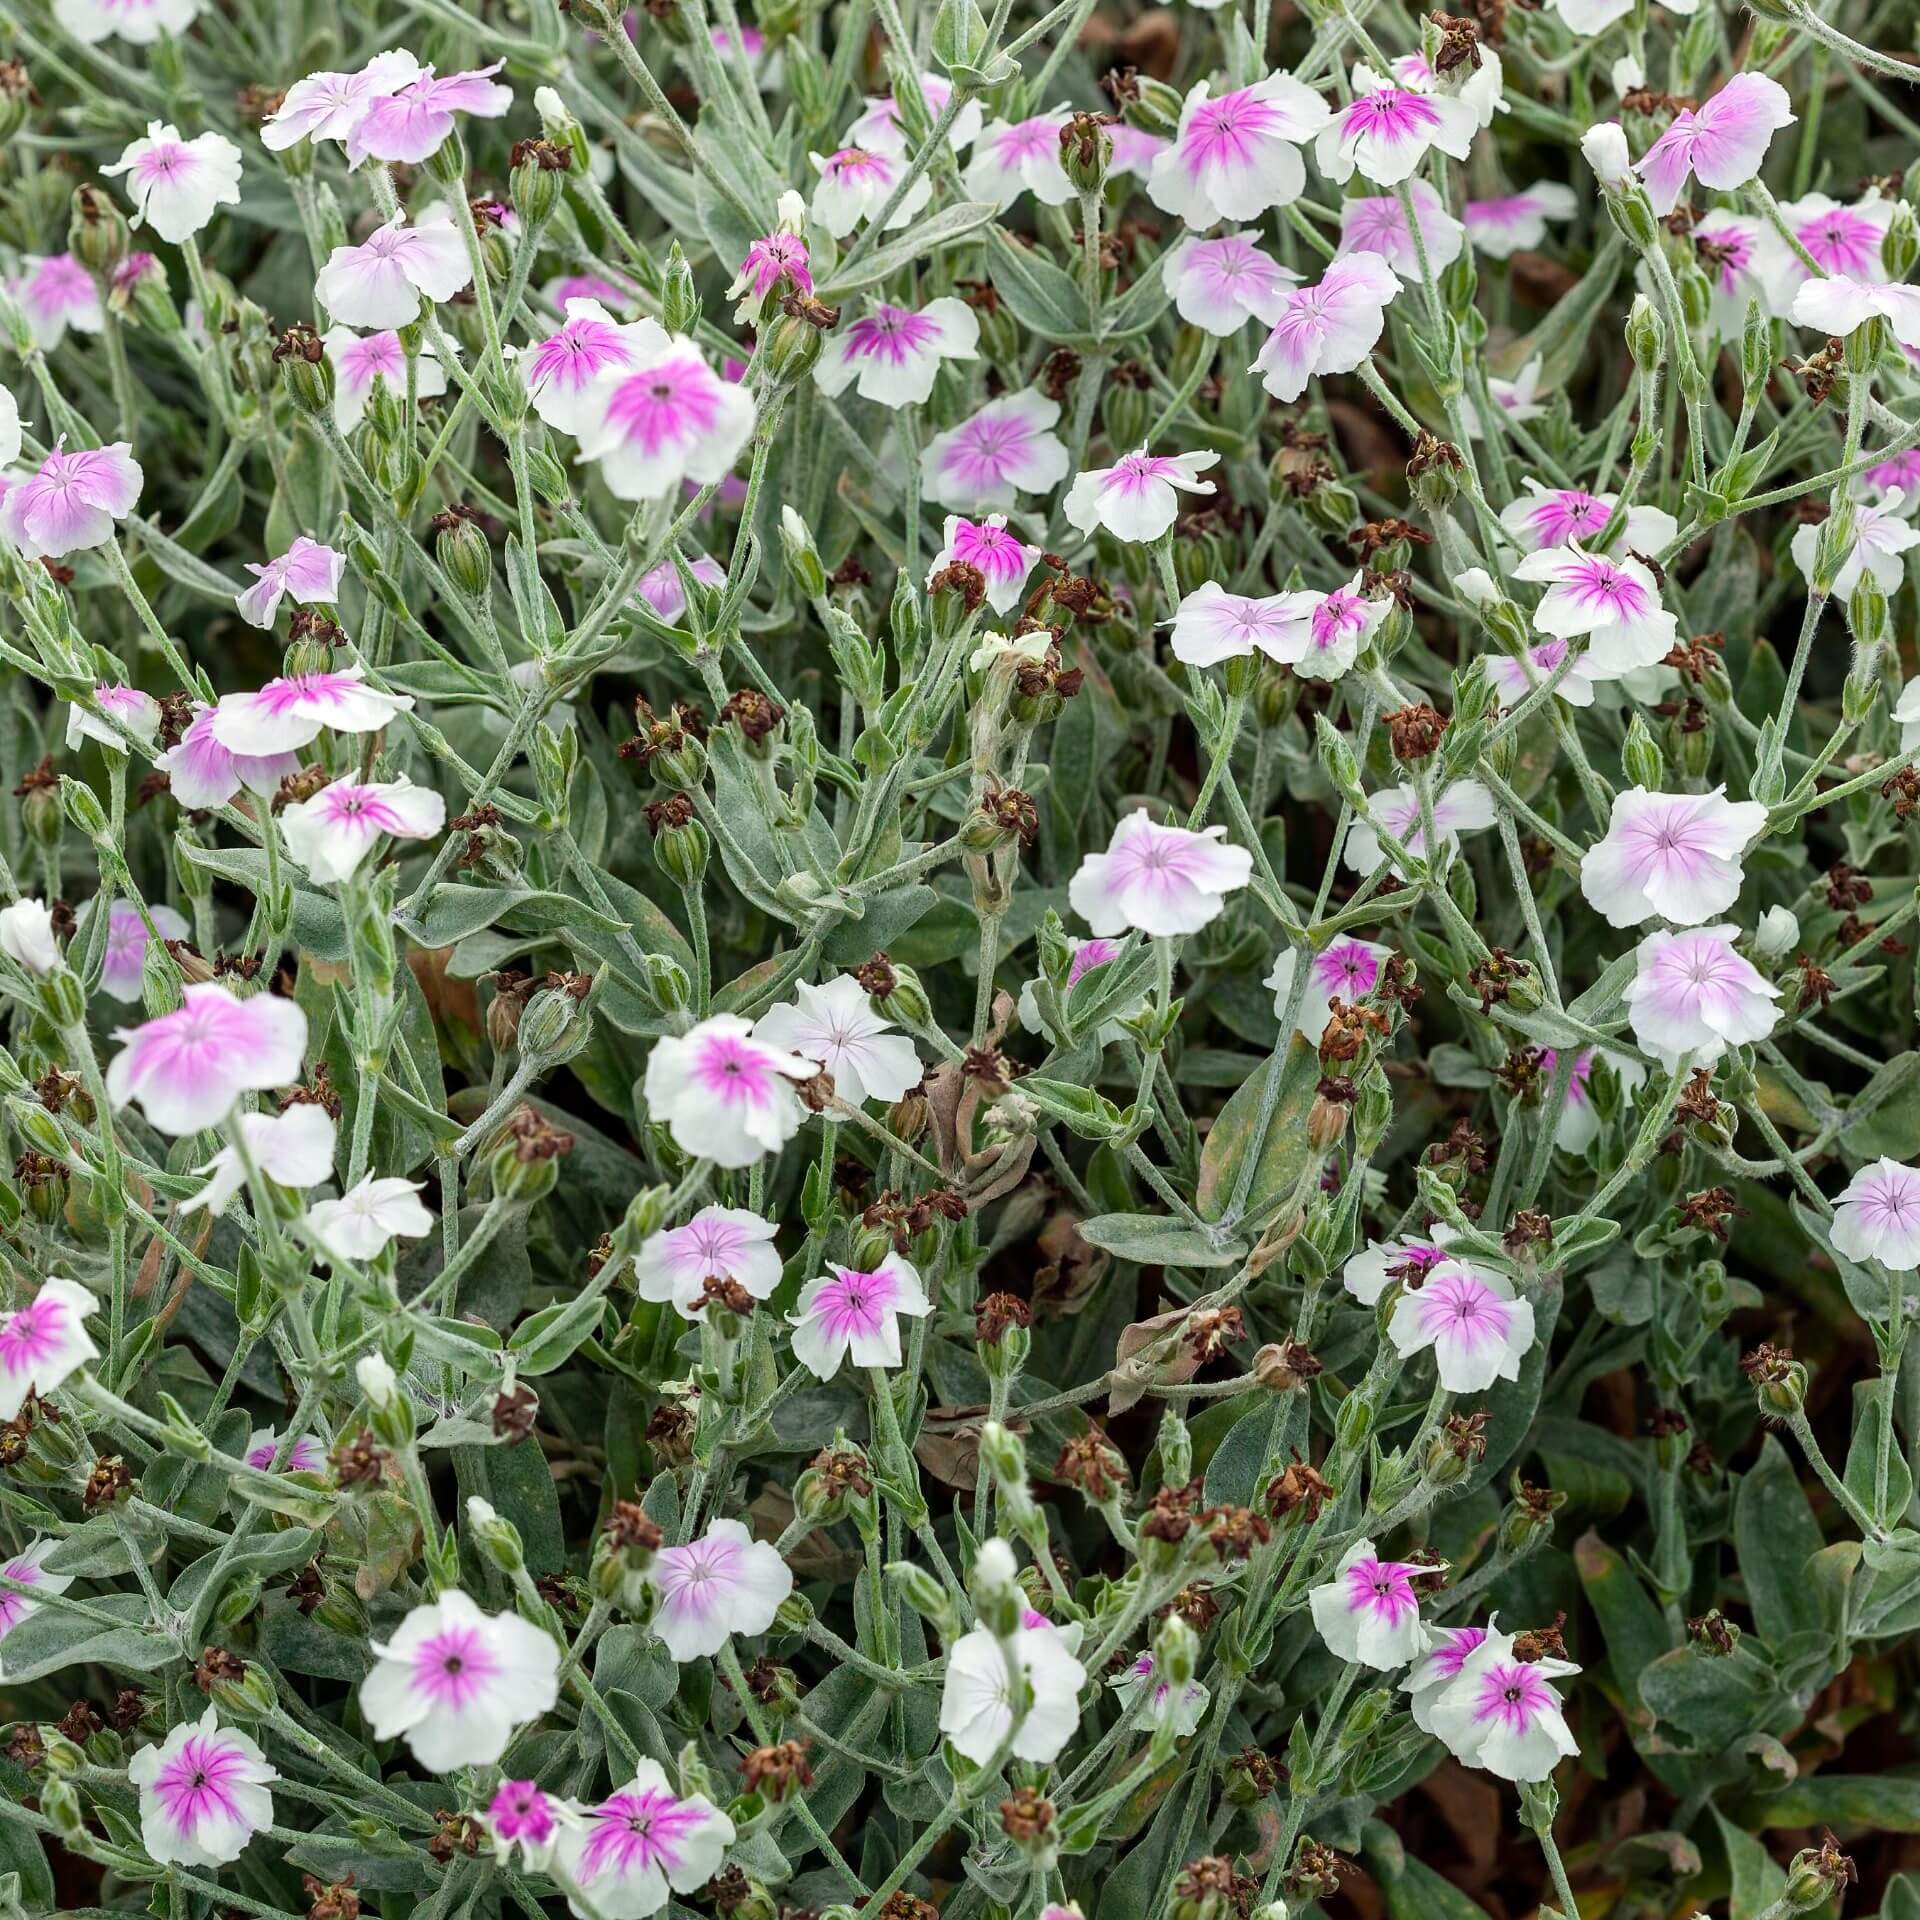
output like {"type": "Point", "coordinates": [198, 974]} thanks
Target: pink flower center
{"type": "Point", "coordinates": [453, 1668]}
{"type": "Point", "coordinates": [31, 1335]}
{"type": "Point", "coordinates": [892, 334]}
{"type": "Point", "coordinates": [669, 405]}
{"type": "Point", "coordinates": [1512, 1694]}
{"type": "Point", "coordinates": [1843, 242]}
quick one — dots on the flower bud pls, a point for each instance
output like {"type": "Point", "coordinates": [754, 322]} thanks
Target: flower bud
{"type": "Point", "coordinates": [1777, 933]}
{"type": "Point", "coordinates": [1640, 755]}
{"type": "Point", "coordinates": [462, 550]}
{"type": "Point", "coordinates": [83, 807]}
{"type": "Point", "coordinates": [1696, 295]}
{"type": "Point", "coordinates": [539, 178]}
{"type": "Point", "coordinates": [996, 1594]}
{"type": "Point", "coordinates": [1867, 616]}
{"type": "Point", "coordinates": [680, 298]}
{"type": "Point", "coordinates": [1646, 334]}
{"type": "Point", "coordinates": [97, 231]}
{"type": "Point", "coordinates": [1155, 107]}
{"type": "Point", "coordinates": [926, 1596]}
{"type": "Point", "coordinates": [1176, 1652]}
{"type": "Point", "coordinates": [498, 1539]}
{"type": "Point", "coordinates": [1901, 247]}
{"type": "Point", "coordinates": [1176, 1449]}
{"type": "Point", "coordinates": [803, 558]}
{"type": "Point", "coordinates": [16, 95]}
{"type": "Point", "coordinates": [1756, 349]}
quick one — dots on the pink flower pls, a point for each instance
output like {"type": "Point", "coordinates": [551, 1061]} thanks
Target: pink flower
{"type": "Point", "coordinates": [1219, 284]}
{"type": "Point", "coordinates": [1579, 1124]}
{"type": "Point", "coordinates": [1877, 1216]}
{"type": "Point", "coordinates": [857, 182]}
{"type": "Point", "coordinates": [1615, 603]}
{"type": "Point", "coordinates": [187, 1068]}
{"type": "Point", "coordinates": [334, 831]}
{"type": "Point", "coordinates": [882, 124]}
{"type": "Point", "coordinates": [1675, 855]}
{"type": "Point", "coordinates": [124, 964]}
{"type": "Point", "coordinates": [27, 1569]}
{"type": "Point", "coordinates": [563, 373]}
{"type": "Point", "coordinates": [636, 1844]}
{"type": "Point", "coordinates": [305, 1455]}
{"type": "Point", "coordinates": [1838, 305]}
{"type": "Point", "coordinates": [203, 773]}
{"type": "Point", "coordinates": [1721, 144]}
{"type": "Point", "coordinates": [72, 501]}
{"type": "Point", "coordinates": [1463, 806]}
{"type": "Point", "coordinates": [1135, 150]}
{"type": "Point", "coordinates": [777, 259]}
{"type": "Point", "coordinates": [459, 1683]}
{"type": "Point", "coordinates": [1326, 642]}
{"type": "Point", "coordinates": [1516, 676]}
{"type": "Point", "coordinates": [1021, 157]}
{"type": "Point", "coordinates": [1007, 448]}
{"type": "Point", "coordinates": [1562, 516]}
{"type": "Point", "coordinates": [1379, 225]}
{"type": "Point", "coordinates": [1899, 474]}
{"type": "Point", "coordinates": [381, 282]}
{"type": "Point", "coordinates": [893, 353]}
{"type": "Point", "coordinates": [1329, 327]}
{"type": "Point", "coordinates": [410, 123]}
{"type": "Point", "coordinates": [663, 590]}
{"type": "Point", "coordinates": [1478, 1331]}
{"type": "Point", "coordinates": [327, 106]}
{"type": "Point", "coordinates": [176, 184]}
{"type": "Point", "coordinates": [1694, 996]}
{"type": "Point", "coordinates": [307, 570]}
{"type": "Point", "coordinates": [292, 711]}
{"type": "Point", "coordinates": [1501, 227]}
{"type": "Point", "coordinates": [1157, 880]}
{"type": "Point", "coordinates": [1502, 1714]}
{"type": "Point", "coordinates": [1367, 1274]}
{"type": "Point", "coordinates": [523, 1815]}
{"type": "Point", "coordinates": [1744, 260]}
{"type": "Point", "coordinates": [663, 418]}
{"type": "Point", "coordinates": [1882, 534]}
{"type": "Point", "coordinates": [1211, 625]}
{"type": "Point", "coordinates": [718, 1243]}
{"type": "Point", "coordinates": [1438, 1668]}
{"type": "Point", "coordinates": [359, 359]}
{"type": "Point", "coordinates": [852, 1316]}
{"type": "Point", "coordinates": [203, 1793]}
{"type": "Point", "coordinates": [724, 1583]}
{"type": "Point", "coordinates": [44, 1343]}
{"type": "Point", "coordinates": [124, 711]}
{"type": "Point", "coordinates": [1369, 1612]}
{"type": "Point", "coordinates": [1004, 561]}
{"type": "Point", "coordinates": [1845, 240]}
{"type": "Point", "coordinates": [1386, 131]}
{"type": "Point", "coordinates": [1348, 971]}
{"type": "Point", "coordinates": [1234, 157]}
{"type": "Point", "coordinates": [56, 292]}
{"type": "Point", "coordinates": [584, 286]}
{"type": "Point", "coordinates": [722, 1094]}
{"type": "Point", "coordinates": [1477, 85]}
{"type": "Point", "coordinates": [1138, 497]}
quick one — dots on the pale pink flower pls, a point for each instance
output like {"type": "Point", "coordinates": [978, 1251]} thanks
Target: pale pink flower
{"type": "Point", "coordinates": [776, 261]}
{"type": "Point", "coordinates": [563, 373]}
{"type": "Point", "coordinates": [72, 501]}
{"type": "Point", "coordinates": [976, 1698]}
{"type": "Point", "coordinates": [1722, 143]}
{"type": "Point", "coordinates": [1501, 227]}
{"type": "Point", "coordinates": [1882, 533]}
{"type": "Point", "coordinates": [327, 106]}
{"type": "Point", "coordinates": [1744, 260]}
{"type": "Point", "coordinates": [56, 292]}
{"type": "Point", "coordinates": [138, 22]}
{"type": "Point", "coordinates": [1898, 474]}
{"type": "Point", "coordinates": [1671, 855]}
{"type": "Point", "coordinates": [718, 1243]}
{"type": "Point", "coordinates": [1386, 131]}
{"type": "Point", "coordinates": [368, 1217]}
{"type": "Point", "coordinates": [27, 1568]}
{"type": "Point", "coordinates": [1693, 995]}
{"type": "Point", "coordinates": [1378, 224]}
{"type": "Point", "coordinates": [307, 570]}
{"type": "Point", "coordinates": [1220, 284]}
{"type": "Point", "coordinates": [1463, 806]}
{"type": "Point", "coordinates": [722, 1094]}
{"type": "Point", "coordinates": [850, 1316]}
{"type": "Point", "coordinates": [1234, 157]}
{"type": "Point", "coordinates": [291, 712]}
{"type": "Point", "coordinates": [1157, 880]}
{"type": "Point", "coordinates": [330, 834]}
{"type": "Point", "coordinates": [1021, 157]}
{"type": "Point", "coordinates": [1347, 970]}
{"type": "Point", "coordinates": [1503, 1715]}
{"type": "Point", "coordinates": [27, 937]}
{"type": "Point", "coordinates": [584, 286]}
{"type": "Point", "coordinates": [1438, 1668]}
{"type": "Point", "coordinates": [882, 125]}
{"type": "Point", "coordinates": [410, 123]}
{"type": "Point", "coordinates": [203, 1793]}
{"type": "Point", "coordinates": [1478, 1331]}
{"type": "Point", "coordinates": [664, 591]}
{"type": "Point", "coordinates": [836, 1025]}
{"type": "Point", "coordinates": [459, 1683]}
{"type": "Point", "coordinates": [359, 359]}
{"type": "Point", "coordinates": [123, 965]}
{"type": "Point", "coordinates": [1211, 625]}
{"type": "Point", "coordinates": [187, 1068]}
{"type": "Point", "coordinates": [626, 1852]}
{"type": "Point", "coordinates": [124, 711]}
{"type": "Point", "coordinates": [1842, 239]}
{"type": "Point", "coordinates": [1003, 559]}
{"type": "Point", "coordinates": [1329, 327]}
{"type": "Point", "coordinates": [892, 354]}
{"type": "Point", "coordinates": [1579, 1124]}
{"type": "Point", "coordinates": [1562, 516]}
{"type": "Point", "coordinates": [1158, 1703]}
{"type": "Point", "coordinates": [44, 1343]}
{"type": "Point", "coordinates": [1135, 150]}
{"type": "Point", "coordinates": [202, 773]}
{"type": "Point", "coordinates": [857, 182]}
{"type": "Point", "coordinates": [1367, 1274]}
{"type": "Point", "coordinates": [305, 1455]}
{"type": "Point", "coordinates": [1138, 497]}
{"type": "Point", "coordinates": [1369, 1612]}
{"type": "Point", "coordinates": [382, 282]}
{"type": "Point", "coordinates": [1517, 675]}
{"type": "Point", "coordinates": [1614, 603]}
{"type": "Point", "coordinates": [1325, 643]}
{"type": "Point", "coordinates": [664, 419]}
{"type": "Point", "coordinates": [1877, 1216]}
{"type": "Point", "coordinates": [176, 184]}
{"type": "Point", "coordinates": [724, 1583]}
{"type": "Point", "coordinates": [1839, 304]}
{"type": "Point", "coordinates": [1007, 448]}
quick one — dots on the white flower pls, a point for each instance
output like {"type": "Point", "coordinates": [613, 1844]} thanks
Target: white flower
{"type": "Point", "coordinates": [1157, 880]}
{"type": "Point", "coordinates": [837, 1026]}
{"type": "Point", "coordinates": [26, 936]}
{"type": "Point", "coordinates": [1607, 153]}
{"type": "Point", "coordinates": [44, 1343]}
{"type": "Point", "coordinates": [724, 1095]}
{"type": "Point", "coordinates": [847, 1315]}
{"type": "Point", "coordinates": [1463, 806]}
{"type": "Point", "coordinates": [1674, 855]}
{"type": "Point", "coordinates": [1022, 157]}
{"type": "Point", "coordinates": [718, 1243]}
{"type": "Point", "coordinates": [376, 1380]}
{"type": "Point", "coordinates": [1429, 1676]}
{"type": "Point", "coordinates": [857, 182]}
{"type": "Point", "coordinates": [1385, 131]}
{"type": "Point", "coordinates": [459, 1683]}
{"type": "Point", "coordinates": [1478, 1331]}
{"type": "Point", "coordinates": [892, 354]}
{"type": "Point", "coordinates": [724, 1583]}
{"type": "Point", "coordinates": [1367, 1274]}
{"type": "Point", "coordinates": [663, 417]}
{"type": "Point", "coordinates": [977, 1702]}
{"type": "Point", "coordinates": [1369, 1611]}
{"type": "Point", "coordinates": [1138, 497]}
{"type": "Point", "coordinates": [203, 1793]}
{"type": "Point", "coordinates": [1348, 969]}
{"type": "Point", "coordinates": [1329, 327]}
{"type": "Point", "coordinates": [381, 282]}
{"type": "Point", "coordinates": [1877, 1217]}
{"type": "Point", "coordinates": [1502, 1714]}
{"type": "Point", "coordinates": [27, 1568]}
{"type": "Point", "coordinates": [1694, 995]}
{"type": "Point", "coordinates": [366, 1217]}
{"type": "Point", "coordinates": [9, 427]}
{"type": "Point", "coordinates": [176, 184]}
{"type": "Point", "coordinates": [1881, 535]}
{"type": "Point", "coordinates": [138, 22]}
{"type": "Point", "coordinates": [1614, 603]}
{"type": "Point", "coordinates": [292, 1149]}
{"type": "Point", "coordinates": [1162, 1707]}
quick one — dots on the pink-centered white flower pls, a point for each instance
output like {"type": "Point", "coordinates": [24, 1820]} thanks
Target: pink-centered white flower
{"type": "Point", "coordinates": [1672, 856]}
{"type": "Point", "coordinates": [1329, 327]}
{"type": "Point", "coordinates": [892, 354]}
{"type": "Point", "coordinates": [1157, 1704]}
{"type": "Point", "coordinates": [56, 292]}
{"type": "Point", "coordinates": [1347, 970]}
{"type": "Point", "coordinates": [1378, 224]}
{"type": "Point", "coordinates": [27, 937]}
{"type": "Point", "coordinates": [1614, 603]}
{"type": "Point", "coordinates": [851, 1317]}
{"type": "Point", "coordinates": [1385, 131]}
{"type": "Point", "coordinates": [369, 1217]}
{"type": "Point", "coordinates": [1138, 497]}
{"type": "Point", "coordinates": [882, 124]}
{"type": "Point", "coordinates": [1478, 1331]}
{"type": "Point", "coordinates": [1324, 644]}
{"type": "Point", "coordinates": [1579, 1123]}
{"type": "Point", "coordinates": [1462, 806]}
{"type": "Point", "coordinates": [186, 1069]}
{"type": "Point", "coordinates": [330, 834]}
{"type": "Point", "coordinates": [307, 570]}
{"type": "Point", "coordinates": [977, 1710]}
{"type": "Point", "coordinates": [44, 1343]}
{"type": "Point", "coordinates": [836, 1025]}
{"type": "Point", "coordinates": [138, 22]}
{"type": "Point", "coordinates": [201, 773]}
{"type": "Point", "coordinates": [293, 1149]}
{"type": "Point", "coordinates": [1564, 516]}
{"type": "Point", "coordinates": [1877, 1216]}
{"type": "Point", "coordinates": [718, 1243]}
{"type": "Point", "coordinates": [1003, 559]}
{"type": "Point", "coordinates": [27, 1568]}
{"type": "Point", "coordinates": [383, 281]}
{"type": "Point", "coordinates": [1842, 239]}
{"type": "Point", "coordinates": [1517, 675]}
{"type": "Point", "coordinates": [563, 373]}
{"type": "Point", "coordinates": [1007, 448]}
{"type": "Point", "coordinates": [663, 420]}
{"type": "Point", "coordinates": [203, 1793]}
{"type": "Point", "coordinates": [293, 711]}
{"type": "Point", "coordinates": [1839, 305]}
{"type": "Point", "coordinates": [71, 501]}
{"type": "Point", "coordinates": [1022, 156]}
{"type": "Point", "coordinates": [724, 1583]}
{"type": "Point", "coordinates": [1436, 1669]}
{"type": "Point", "coordinates": [175, 184]}
{"type": "Point", "coordinates": [1503, 1714]}
{"type": "Point", "coordinates": [1882, 534]}
{"type": "Point", "coordinates": [1220, 284]}
{"type": "Point", "coordinates": [1158, 880]}
{"type": "Point", "coordinates": [359, 359]}
{"type": "Point", "coordinates": [1369, 1612]}
{"type": "Point", "coordinates": [1369, 1272]}
{"type": "Point", "coordinates": [1235, 156]}
{"type": "Point", "coordinates": [857, 182]}
{"type": "Point", "coordinates": [410, 123]}
{"type": "Point", "coordinates": [457, 1684]}
{"type": "Point", "coordinates": [1504, 225]}
{"type": "Point", "coordinates": [117, 712]}
{"type": "Point", "coordinates": [304, 1455]}
{"type": "Point", "coordinates": [1693, 995]}
{"type": "Point", "coordinates": [328, 106]}
{"type": "Point", "coordinates": [626, 1853]}
{"type": "Point", "coordinates": [1744, 261]}
{"type": "Point", "coordinates": [1721, 143]}
{"type": "Point", "coordinates": [1211, 625]}
{"type": "Point", "coordinates": [723, 1094]}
